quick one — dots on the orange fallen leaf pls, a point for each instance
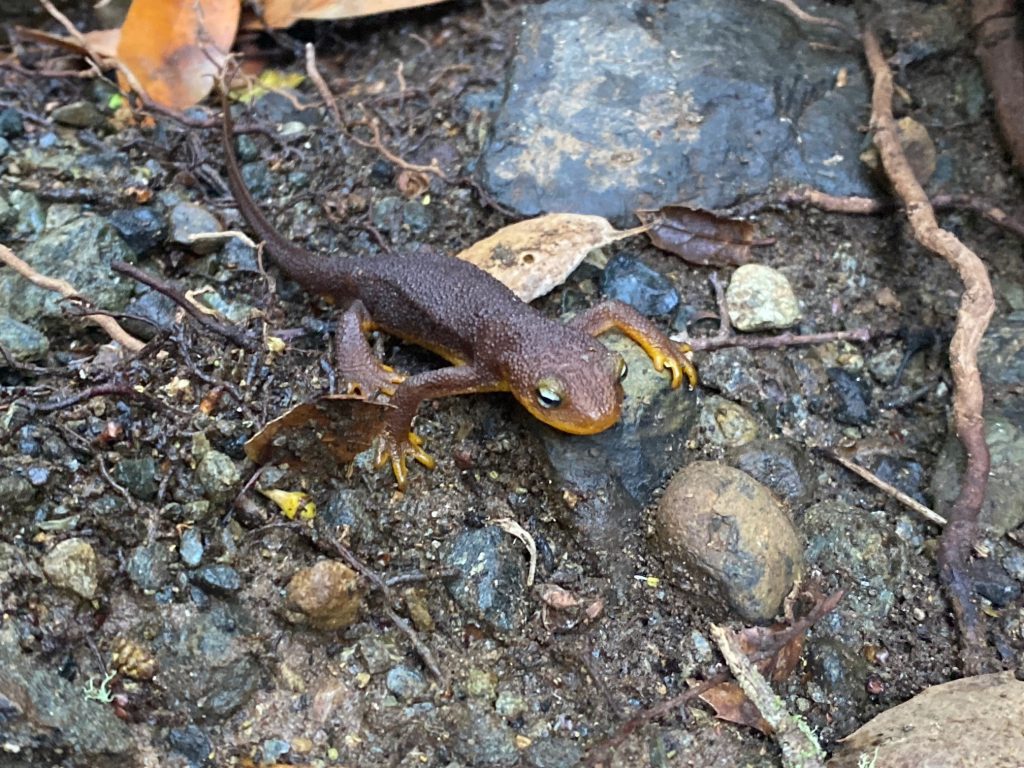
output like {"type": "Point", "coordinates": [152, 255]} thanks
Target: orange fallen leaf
{"type": "Point", "coordinates": [278, 14]}
{"type": "Point", "coordinates": [172, 50]}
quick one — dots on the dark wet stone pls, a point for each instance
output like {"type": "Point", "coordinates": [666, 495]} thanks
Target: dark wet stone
{"type": "Point", "coordinates": [16, 493]}
{"type": "Point", "coordinates": [190, 547]}
{"type": "Point", "coordinates": [208, 656]}
{"type": "Point", "coordinates": [406, 684]}
{"type": "Point", "coordinates": [11, 124]}
{"type": "Point", "coordinates": [191, 743]}
{"type": "Point", "coordinates": [615, 106]}
{"type": "Point", "coordinates": [153, 306]}
{"type": "Point", "coordinates": [142, 228]}
{"type": "Point", "coordinates": [480, 738]}
{"type": "Point", "coordinates": [906, 475]}
{"type": "Point", "coordinates": [381, 172]}
{"type": "Point", "coordinates": [46, 720]}
{"type": "Point", "coordinates": [853, 397]}
{"type": "Point", "coordinates": [385, 214]}
{"type": "Point", "coordinates": [218, 579]}
{"type": "Point", "coordinates": [149, 566]}
{"type": "Point", "coordinates": [30, 440]}
{"type": "Point", "coordinates": [274, 749]}
{"type": "Point", "coordinates": [238, 256]}
{"type": "Point", "coordinates": [78, 248]}
{"type": "Point", "coordinates": [416, 216]}
{"type": "Point", "coordinates": [345, 507]}
{"type": "Point", "coordinates": [138, 476]}
{"type": "Point", "coordinates": [839, 668]}
{"type": "Point", "coordinates": [492, 583]}
{"type": "Point", "coordinates": [26, 216]}
{"type": "Point", "coordinates": [217, 474]}
{"type": "Point", "coordinates": [188, 219]}
{"type": "Point", "coordinates": [246, 148]}
{"type": "Point", "coordinates": [778, 464]}
{"type": "Point", "coordinates": [257, 178]}
{"type": "Point", "coordinates": [728, 533]}
{"type": "Point", "coordinates": [633, 282]}
{"type": "Point", "coordinates": [78, 114]}
{"type": "Point", "coordinates": [554, 752]}
{"type": "Point", "coordinates": [21, 341]}
{"type": "Point", "coordinates": [993, 583]}
{"type": "Point", "coordinates": [5, 147]}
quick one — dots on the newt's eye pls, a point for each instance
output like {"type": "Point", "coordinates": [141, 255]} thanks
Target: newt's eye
{"type": "Point", "coordinates": [549, 393]}
{"type": "Point", "coordinates": [623, 369]}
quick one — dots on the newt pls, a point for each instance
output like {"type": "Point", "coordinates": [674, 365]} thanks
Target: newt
{"type": "Point", "coordinates": [494, 341]}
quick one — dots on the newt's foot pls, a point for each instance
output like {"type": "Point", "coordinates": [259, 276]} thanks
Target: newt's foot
{"type": "Point", "coordinates": [372, 381]}
{"type": "Point", "coordinates": [672, 356]}
{"type": "Point", "coordinates": [397, 450]}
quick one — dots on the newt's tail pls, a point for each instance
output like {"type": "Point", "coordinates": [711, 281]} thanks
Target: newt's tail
{"type": "Point", "coordinates": [304, 267]}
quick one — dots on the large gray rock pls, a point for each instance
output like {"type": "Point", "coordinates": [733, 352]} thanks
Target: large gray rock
{"type": "Point", "coordinates": [613, 106]}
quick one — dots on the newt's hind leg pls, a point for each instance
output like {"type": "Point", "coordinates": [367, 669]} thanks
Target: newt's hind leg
{"type": "Point", "coordinates": [664, 353]}
{"type": "Point", "coordinates": [358, 367]}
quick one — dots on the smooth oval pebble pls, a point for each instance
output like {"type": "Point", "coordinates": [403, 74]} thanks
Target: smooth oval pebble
{"type": "Point", "coordinates": [732, 538]}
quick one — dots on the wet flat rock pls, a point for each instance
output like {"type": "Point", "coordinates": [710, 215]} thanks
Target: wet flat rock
{"type": "Point", "coordinates": [614, 106]}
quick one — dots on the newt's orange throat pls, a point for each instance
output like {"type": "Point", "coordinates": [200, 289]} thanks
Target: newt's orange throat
{"type": "Point", "coordinates": [496, 343]}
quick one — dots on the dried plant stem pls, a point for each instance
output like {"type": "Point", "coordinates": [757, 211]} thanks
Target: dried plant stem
{"type": "Point", "coordinates": [67, 290]}
{"type": "Point", "coordinates": [976, 308]}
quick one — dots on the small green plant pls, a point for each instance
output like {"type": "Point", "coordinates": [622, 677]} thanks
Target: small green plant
{"type": "Point", "coordinates": [101, 693]}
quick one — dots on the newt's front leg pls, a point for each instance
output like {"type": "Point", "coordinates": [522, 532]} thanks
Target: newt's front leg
{"type": "Point", "coordinates": [664, 353]}
{"type": "Point", "coordinates": [397, 441]}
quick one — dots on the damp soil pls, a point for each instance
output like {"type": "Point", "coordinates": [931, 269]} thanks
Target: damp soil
{"type": "Point", "coordinates": [551, 691]}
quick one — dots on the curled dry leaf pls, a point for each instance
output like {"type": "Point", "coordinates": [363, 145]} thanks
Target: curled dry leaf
{"type": "Point", "coordinates": [278, 14]}
{"type": "Point", "coordinates": [699, 237]}
{"type": "Point", "coordinates": [321, 434]}
{"type": "Point", "coordinates": [732, 705]}
{"type": "Point", "coordinates": [534, 256]}
{"type": "Point", "coordinates": [558, 597]}
{"type": "Point", "coordinates": [172, 50]}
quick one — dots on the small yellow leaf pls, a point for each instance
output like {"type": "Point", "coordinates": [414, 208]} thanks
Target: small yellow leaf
{"type": "Point", "coordinates": [292, 503]}
{"type": "Point", "coordinates": [276, 344]}
{"type": "Point", "coordinates": [269, 80]}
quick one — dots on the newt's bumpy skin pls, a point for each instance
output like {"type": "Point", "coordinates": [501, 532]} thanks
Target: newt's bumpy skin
{"type": "Point", "coordinates": [495, 342]}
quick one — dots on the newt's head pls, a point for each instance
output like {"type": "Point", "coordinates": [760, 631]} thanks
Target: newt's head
{"type": "Point", "coordinates": [575, 387]}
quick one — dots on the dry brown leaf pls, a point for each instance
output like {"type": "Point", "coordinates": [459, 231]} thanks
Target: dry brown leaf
{"type": "Point", "coordinates": [699, 237]}
{"type": "Point", "coordinates": [321, 434]}
{"type": "Point", "coordinates": [732, 705]}
{"type": "Point", "coordinates": [278, 14]}
{"type": "Point", "coordinates": [173, 50]}
{"type": "Point", "coordinates": [101, 42]}
{"type": "Point", "coordinates": [531, 257]}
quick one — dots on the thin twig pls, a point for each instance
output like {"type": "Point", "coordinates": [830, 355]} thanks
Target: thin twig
{"type": "Point", "coordinates": [800, 749]}
{"type": "Point", "coordinates": [231, 333]}
{"type": "Point", "coordinates": [820, 21]}
{"type": "Point", "coordinates": [869, 206]}
{"type": "Point", "coordinates": [976, 308]}
{"type": "Point", "coordinates": [68, 291]}
{"type": "Point", "coordinates": [321, 86]}
{"type": "Point", "coordinates": [866, 474]}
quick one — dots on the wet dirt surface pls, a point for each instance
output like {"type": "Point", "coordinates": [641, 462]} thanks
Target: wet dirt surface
{"type": "Point", "coordinates": [177, 570]}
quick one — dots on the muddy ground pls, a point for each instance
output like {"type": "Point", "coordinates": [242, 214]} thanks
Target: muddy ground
{"type": "Point", "coordinates": [192, 563]}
